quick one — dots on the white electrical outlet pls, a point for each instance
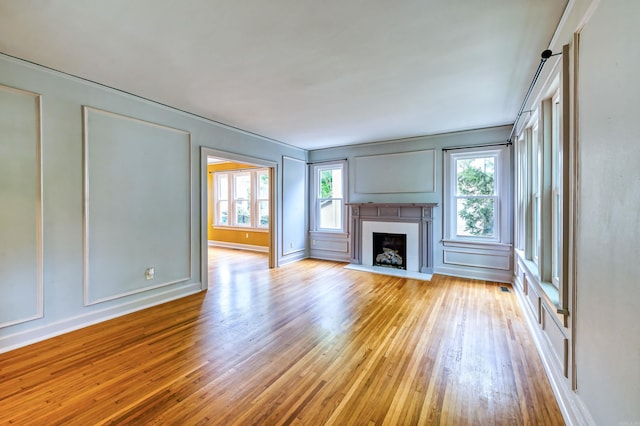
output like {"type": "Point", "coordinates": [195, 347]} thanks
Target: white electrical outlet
{"type": "Point", "coordinates": [149, 273]}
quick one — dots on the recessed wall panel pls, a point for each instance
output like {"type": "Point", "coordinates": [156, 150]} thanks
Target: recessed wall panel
{"type": "Point", "coordinates": [477, 260]}
{"type": "Point", "coordinates": [137, 185]}
{"type": "Point", "coordinates": [294, 182]}
{"type": "Point", "coordinates": [20, 207]}
{"type": "Point", "coordinates": [396, 173]}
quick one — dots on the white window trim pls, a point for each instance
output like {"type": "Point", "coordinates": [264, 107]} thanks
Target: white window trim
{"type": "Point", "coordinates": [257, 199]}
{"type": "Point", "coordinates": [315, 172]}
{"type": "Point", "coordinates": [556, 188]}
{"type": "Point", "coordinates": [231, 200]}
{"type": "Point", "coordinates": [503, 200]}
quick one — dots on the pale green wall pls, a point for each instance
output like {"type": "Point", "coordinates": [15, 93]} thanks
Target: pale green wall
{"type": "Point", "coordinates": [608, 249]}
{"type": "Point", "coordinates": [494, 135]}
{"type": "Point", "coordinates": [62, 99]}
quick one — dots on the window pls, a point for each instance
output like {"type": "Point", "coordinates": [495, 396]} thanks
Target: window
{"type": "Point", "coordinates": [474, 190]}
{"type": "Point", "coordinates": [521, 190]}
{"type": "Point", "coordinates": [329, 197]}
{"type": "Point", "coordinates": [536, 177]}
{"type": "Point", "coordinates": [543, 169]}
{"type": "Point", "coordinates": [546, 186]}
{"type": "Point", "coordinates": [262, 198]}
{"type": "Point", "coordinates": [242, 198]}
{"type": "Point", "coordinates": [222, 198]}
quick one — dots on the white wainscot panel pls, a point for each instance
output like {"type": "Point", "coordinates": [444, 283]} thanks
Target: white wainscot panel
{"type": "Point", "coordinates": [477, 260]}
{"type": "Point", "coordinates": [21, 280]}
{"type": "Point", "coordinates": [557, 340]}
{"type": "Point", "coordinates": [533, 300]}
{"type": "Point", "coordinates": [339, 246]}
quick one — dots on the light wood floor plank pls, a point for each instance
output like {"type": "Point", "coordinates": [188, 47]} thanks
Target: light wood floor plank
{"type": "Point", "coordinates": [310, 343]}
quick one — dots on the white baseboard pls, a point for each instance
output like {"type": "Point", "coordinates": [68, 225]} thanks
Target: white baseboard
{"type": "Point", "coordinates": [335, 257]}
{"type": "Point", "coordinates": [27, 337]}
{"type": "Point", "coordinates": [571, 406]}
{"type": "Point", "coordinates": [239, 246]}
{"type": "Point", "coordinates": [476, 274]}
{"type": "Point", "coordinates": [291, 258]}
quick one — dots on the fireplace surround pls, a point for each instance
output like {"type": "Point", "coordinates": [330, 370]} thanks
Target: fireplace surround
{"type": "Point", "coordinates": [379, 216]}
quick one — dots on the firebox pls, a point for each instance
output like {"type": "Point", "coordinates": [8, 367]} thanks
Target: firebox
{"type": "Point", "coordinates": [390, 250]}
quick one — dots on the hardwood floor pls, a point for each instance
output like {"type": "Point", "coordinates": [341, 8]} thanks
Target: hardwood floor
{"type": "Point", "coordinates": [309, 343]}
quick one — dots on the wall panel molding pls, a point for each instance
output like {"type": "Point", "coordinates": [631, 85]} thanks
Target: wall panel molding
{"type": "Point", "coordinates": [137, 205]}
{"type": "Point", "coordinates": [21, 218]}
{"type": "Point", "coordinates": [294, 201]}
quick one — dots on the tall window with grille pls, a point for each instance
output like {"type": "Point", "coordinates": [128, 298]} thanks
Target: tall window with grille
{"type": "Point", "coordinates": [329, 193]}
{"type": "Point", "coordinates": [262, 198]}
{"type": "Point", "coordinates": [474, 192]}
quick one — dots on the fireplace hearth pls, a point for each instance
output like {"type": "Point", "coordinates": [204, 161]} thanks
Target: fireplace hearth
{"type": "Point", "coordinates": [389, 250]}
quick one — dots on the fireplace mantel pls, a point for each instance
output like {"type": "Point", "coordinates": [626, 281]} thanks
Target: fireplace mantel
{"type": "Point", "coordinates": [420, 213]}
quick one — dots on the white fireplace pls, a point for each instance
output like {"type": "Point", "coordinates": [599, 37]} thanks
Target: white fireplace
{"type": "Point", "coordinates": [413, 219]}
{"type": "Point", "coordinates": [408, 229]}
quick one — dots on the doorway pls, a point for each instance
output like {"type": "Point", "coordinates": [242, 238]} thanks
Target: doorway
{"type": "Point", "coordinates": [237, 207]}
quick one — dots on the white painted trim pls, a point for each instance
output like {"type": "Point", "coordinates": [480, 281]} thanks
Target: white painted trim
{"type": "Point", "coordinates": [329, 255]}
{"type": "Point", "coordinates": [204, 196]}
{"type": "Point", "coordinates": [293, 258]}
{"type": "Point", "coordinates": [449, 261]}
{"type": "Point", "coordinates": [498, 247]}
{"type": "Point", "coordinates": [33, 335]}
{"type": "Point", "coordinates": [476, 274]}
{"type": "Point", "coordinates": [238, 246]}
{"type": "Point", "coordinates": [571, 406]}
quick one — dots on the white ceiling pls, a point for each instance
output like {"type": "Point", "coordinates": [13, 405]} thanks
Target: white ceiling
{"type": "Point", "coordinates": [308, 73]}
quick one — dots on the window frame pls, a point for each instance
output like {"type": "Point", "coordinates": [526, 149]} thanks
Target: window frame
{"type": "Point", "coordinates": [536, 193]}
{"type": "Point", "coordinates": [233, 200]}
{"type": "Point", "coordinates": [556, 188]}
{"type": "Point", "coordinates": [258, 199]}
{"type": "Point", "coordinates": [543, 223]}
{"type": "Point", "coordinates": [315, 193]}
{"type": "Point", "coordinates": [502, 198]}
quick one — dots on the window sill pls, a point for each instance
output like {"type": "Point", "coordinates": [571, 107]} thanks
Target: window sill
{"type": "Point", "coordinates": [550, 293]}
{"type": "Point", "coordinates": [492, 245]}
{"type": "Point", "coordinates": [329, 232]}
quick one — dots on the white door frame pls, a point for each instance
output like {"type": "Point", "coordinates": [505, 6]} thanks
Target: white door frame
{"type": "Point", "coordinates": [204, 203]}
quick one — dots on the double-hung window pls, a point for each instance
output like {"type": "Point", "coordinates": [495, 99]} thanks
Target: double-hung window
{"type": "Point", "coordinates": [262, 198]}
{"type": "Point", "coordinates": [536, 193]}
{"type": "Point", "coordinates": [543, 224]}
{"type": "Point", "coordinates": [242, 199]}
{"type": "Point", "coordinates": [222, 199]}
{"type": "Point", "coordinates": [329, 197]}
{"type": "Point", "coordinates": [556, 187]}
{"type": "Point", "coordinates": [474, 190]}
